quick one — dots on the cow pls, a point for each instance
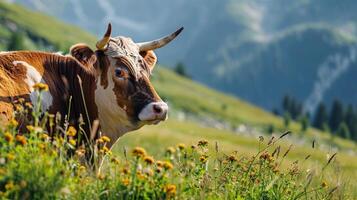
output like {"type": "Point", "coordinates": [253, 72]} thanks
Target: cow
{"type": "Point", "coordinates": [110, 84]}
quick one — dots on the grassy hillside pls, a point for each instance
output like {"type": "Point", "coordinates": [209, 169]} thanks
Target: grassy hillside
{"type": "Point", "coordinates": [186, 95]}
{"type": "Point", "coordinates": [40, 29]}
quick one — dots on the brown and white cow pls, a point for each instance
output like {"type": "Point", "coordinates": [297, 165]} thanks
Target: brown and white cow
{"type": "Point", "coordinates": [114, 77]}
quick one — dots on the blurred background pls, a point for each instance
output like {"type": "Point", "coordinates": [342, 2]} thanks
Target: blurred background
{"type": "Point", "coordinates": [260, 50]}
{"type": "Point", "coordinates": [280, 65]}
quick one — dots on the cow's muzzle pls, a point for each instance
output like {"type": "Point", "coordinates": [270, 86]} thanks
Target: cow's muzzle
{"type": "Point", "coordinates": [154, 112]}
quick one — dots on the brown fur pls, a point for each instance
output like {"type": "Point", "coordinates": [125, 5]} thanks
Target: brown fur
{"type": "Point", "coordinates": [61, 75]}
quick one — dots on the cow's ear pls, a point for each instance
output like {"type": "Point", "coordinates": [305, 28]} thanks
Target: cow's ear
{"type": "Point", "coordinates": [150, 58]}
{"type": "Point", "coordinates": [84, 54]}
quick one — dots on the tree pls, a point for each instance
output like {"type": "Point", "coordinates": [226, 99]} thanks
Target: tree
{"type": "Point", "coordinates": [296, 109]}
{"type": "Point", "coordinates": [17, 42]}
{"type": "Point", "coordinates": [286, 103]}
{"type": "Point", "coordinates": [181, 70]}
{"type": "Point", "coordinates": [351, 121]}
{"type": "Point", "coordinates": [336, 115]}
{"type": "Point", "coordinates": [287, 119]}
{"type": "Point", "coordinates": [292, 106]}
{"type": "Point", "coordinates": [270, 128]}
{"type": "Point", "coordinates": [321, 116]}
{"type": "Point", "coordinates": [305, 122]}
{"type": "Point", "coordinates": [343, 131]}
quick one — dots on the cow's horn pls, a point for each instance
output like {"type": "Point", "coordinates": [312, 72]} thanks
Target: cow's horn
{"type": "Point", "coordinates": [101, 44]}
{"type": "Point", "coordinates": [155, 44]}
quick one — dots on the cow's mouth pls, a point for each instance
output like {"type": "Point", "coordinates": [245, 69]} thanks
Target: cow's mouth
{"type": "Point", "coordinates": [154, 121]}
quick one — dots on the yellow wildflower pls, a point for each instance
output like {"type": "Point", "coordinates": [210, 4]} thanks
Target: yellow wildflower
{"type": "Point", "coordinates": [21, 139]}
{"type": "Point", "coordinates": [80, 152]}
{"type": "Point", "coordinates": [115, 161]}
{"type": "Point", "coordinates": [101, 176]}
{"type": "Point", "coordinates": [139, 152]}
{"type": "Point", "coordinates": [9, 186]}
{"type": "Point", "coordinates": [140, 175]}
{"type": "Point", "coordinates": [42, 146]}
{"type": "Point", "coordinates": [71, 131]}
{"type": "Point", "coordinates": [8, 136]}
{"type": "Point", "coordinates": [158, 169]}
{"type": "Point", "coordinates": [232, 158]}
{"type": "Point", "coordinates": [44, 136]}
{"type": "Point", "coordinates": [323, 184]}
{"type": "Point", "coordinates": [10, 156]}
{"type": "Point", "coordinates": [170, 189]}
{"type": "Point", "coordinates": [105, 150]}
{"type": "Point", "coordinates": [170, 150]}
{"type": "Point", "coordinates": [202, 143]}
{"type": "Point", "coordinates": [125, 181]}
{"type": "Point", "coordinates": [159, 163]}
{"type": "Point", "coordinates": [40, 87]}
{"type": "Point", "coordinates": [72, 142]}
{"type": "Point", "coordinates": [203, 158]}
{"type": "Point", "coordinates": [21, 100]}
{"type": "Point", "coordinates": [105, 139]}
{"type": "Point", "coordinates": [30, 127]}
{"type": "Point", "coordinates": [149, 160]}
{"type": "Point", "coordinates": [28, 105]}
{"type": "Point", "coordinates": [2, 171]}
{"type": "Point", "coordinates": [168, 165]}
{"type": "Point", "coordinates": [13, 122]}
{"type": "Point", "coordinates": [19, 107]}
{"type": "Point", "coordinates": [181, 146]}
{"type": "Point", "coordinates": [125, 170]}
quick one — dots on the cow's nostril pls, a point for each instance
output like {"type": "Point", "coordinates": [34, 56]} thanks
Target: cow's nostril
{"type": "Point", "coordinates": [157, 109]}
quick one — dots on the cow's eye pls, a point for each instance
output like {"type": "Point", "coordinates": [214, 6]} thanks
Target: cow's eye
{"type": "Point", "coordinates": [119, 72]}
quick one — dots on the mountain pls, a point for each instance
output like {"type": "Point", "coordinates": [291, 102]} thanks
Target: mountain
{"type": "Point", "coordinates": [255, 49]}
{"type": "Point", "coordinates": [38, 33]}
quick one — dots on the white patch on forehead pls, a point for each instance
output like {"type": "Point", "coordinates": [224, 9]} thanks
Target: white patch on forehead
{"type": "Point", "coordinates": [113, 119]}
{"type": "Point", "coordinates": [33, 77]}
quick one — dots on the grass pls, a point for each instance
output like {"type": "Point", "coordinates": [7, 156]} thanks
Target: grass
{"type": "Point", "coordinates": [40, 164]}
{"type": "Point", "coordinates": [40, 26]}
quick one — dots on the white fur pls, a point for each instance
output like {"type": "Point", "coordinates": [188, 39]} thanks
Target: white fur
{"type": "Point", "coordinates": [113, 119]}
{"type": "Point", "coordinates": [148, 113]}
{"type": "Point", "coordinates": [33, 77]}
{"type": "Point", "coordinates": [4, 52]}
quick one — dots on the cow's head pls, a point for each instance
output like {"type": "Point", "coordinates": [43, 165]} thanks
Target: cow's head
{"type": "Point", "coordinates": [125, 98]}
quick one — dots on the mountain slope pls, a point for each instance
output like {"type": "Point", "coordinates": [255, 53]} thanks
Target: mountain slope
{"type": "Point", "coordinates": [307, 62]}
{"type": "Point", "coordinates": [42, 31]}
{"type": "Point", "coordinates": [200, 105]}
{"type": "Point", "coordinates": [236, 39]}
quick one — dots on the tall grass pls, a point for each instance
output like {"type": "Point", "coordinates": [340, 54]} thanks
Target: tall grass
{"type": "Point", "coordinates": [39, 164]}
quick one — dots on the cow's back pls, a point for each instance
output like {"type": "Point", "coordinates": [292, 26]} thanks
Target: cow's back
{"type": "Point", "coordinates": [13, 85]}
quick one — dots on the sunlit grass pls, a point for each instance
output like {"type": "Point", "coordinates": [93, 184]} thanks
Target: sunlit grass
{"type": "Point", "coordinates": [179, 160]}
